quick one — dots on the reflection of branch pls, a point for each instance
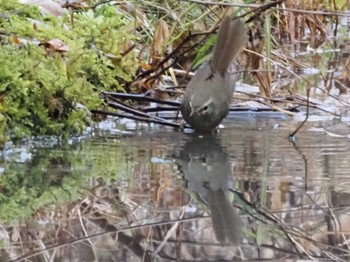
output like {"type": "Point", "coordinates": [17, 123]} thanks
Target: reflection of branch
{"type": "Point", "coordinates": [287, 230]}
{"type": "Point", "coordinates": [269, 217]}
{"type": "Point", "coordinates": [136, 247]}
{"type": "Point", "coordinates": [128, 241]}
{"type": "Point", "coordinates": [329, 218]}
{"type": "Point", "coordinates": [305, 161]}
{"type": "Point", "coordinates": [170, 232]}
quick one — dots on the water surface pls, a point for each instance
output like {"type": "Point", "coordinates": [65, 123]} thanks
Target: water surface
{"type": "Point", "coordinates": [245, 193]}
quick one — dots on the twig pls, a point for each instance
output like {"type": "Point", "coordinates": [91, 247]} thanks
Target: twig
{"type": "Point", "coordinates": [141, 97]}
{"type": "Point", "coordinates": [276, 108]}
{"type": "Point", "coordinates": [292, 135]}
{"type": "Point", "coordinates": [137, 118]}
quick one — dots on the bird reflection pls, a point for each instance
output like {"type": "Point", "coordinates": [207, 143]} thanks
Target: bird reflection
{"type": "Point", "coordinates": [207, 168]}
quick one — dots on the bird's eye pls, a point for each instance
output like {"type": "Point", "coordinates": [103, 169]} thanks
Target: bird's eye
{"type": "Point", "coordinates": [205, 108]}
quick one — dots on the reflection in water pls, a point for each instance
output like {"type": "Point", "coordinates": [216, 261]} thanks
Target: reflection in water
{"type": "Point", "coordinates": [207, 168]}
{"type": "Point", "coordinates": [123, 198]}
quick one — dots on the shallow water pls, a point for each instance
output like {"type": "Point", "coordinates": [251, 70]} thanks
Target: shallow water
{"type": "Point", "coordinates": [246, 193]}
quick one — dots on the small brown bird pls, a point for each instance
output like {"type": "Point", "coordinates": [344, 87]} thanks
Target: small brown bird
{"type": "Point", "coordinates": [207, 99]}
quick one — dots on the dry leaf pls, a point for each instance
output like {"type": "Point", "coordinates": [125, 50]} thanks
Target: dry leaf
{"type": "Point", "coordinates": [160, 41]}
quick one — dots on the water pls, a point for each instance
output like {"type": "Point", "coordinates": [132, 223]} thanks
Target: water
{"type": "Point", "coordinates": [246, 193]}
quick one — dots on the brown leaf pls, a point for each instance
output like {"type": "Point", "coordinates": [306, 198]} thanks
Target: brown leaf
{"type": "Point", "coordinates": [160, 41]}
{"type": "Point", "coordinates": [16, 40]}
{"type": "Point", "coordinates": [55, 45]}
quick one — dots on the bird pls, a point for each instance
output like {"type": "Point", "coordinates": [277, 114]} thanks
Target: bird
{"type": "Point", "coordinates": [208, 95]}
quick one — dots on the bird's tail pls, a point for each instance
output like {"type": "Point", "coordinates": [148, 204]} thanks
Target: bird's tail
{"type": "Point", "coordinates": [232, 37]}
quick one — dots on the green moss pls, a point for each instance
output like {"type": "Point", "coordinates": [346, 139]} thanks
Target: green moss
{"type": "Point", "coordinates": [40, 88]}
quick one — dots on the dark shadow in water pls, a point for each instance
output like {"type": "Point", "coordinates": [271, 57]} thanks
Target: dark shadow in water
{"type": "Point", "coordinates": [208, 170]}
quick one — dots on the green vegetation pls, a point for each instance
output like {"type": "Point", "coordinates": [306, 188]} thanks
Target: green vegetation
{"type": "Point", "coordinates": [41, 86]}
